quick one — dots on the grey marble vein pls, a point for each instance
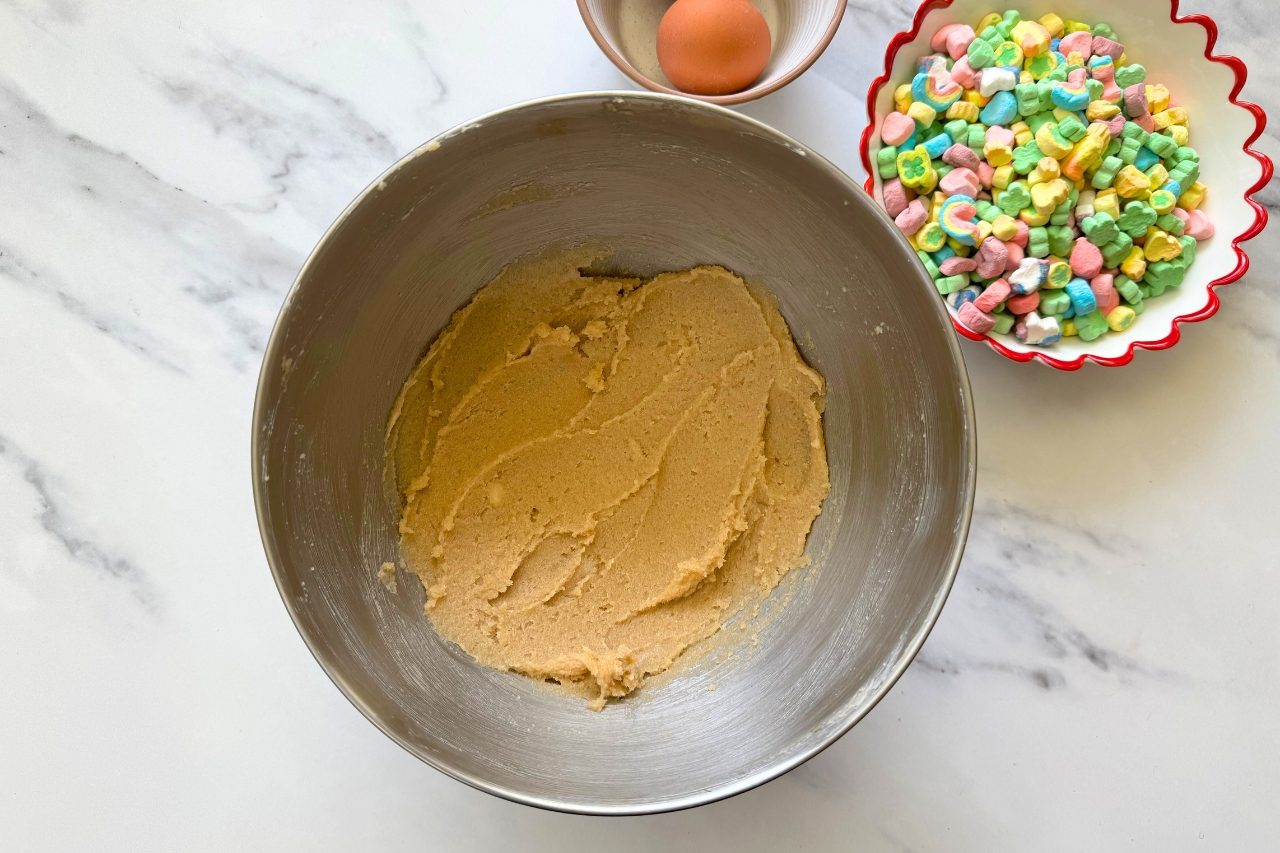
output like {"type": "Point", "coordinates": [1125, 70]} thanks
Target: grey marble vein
{"type": "Point", "coordinates": [61, 526]}
{"type": "Point", "coordinates": [22, 272]}
{"type": "Point", "coordinates": [283, 120]}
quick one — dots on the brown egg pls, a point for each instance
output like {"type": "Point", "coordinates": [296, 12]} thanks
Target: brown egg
{"type": "Point", "coordinates": [713, 47]}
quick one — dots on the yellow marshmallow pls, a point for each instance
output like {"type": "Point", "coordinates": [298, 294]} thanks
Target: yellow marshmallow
{"type": "Point", "coordinates": [1193, 196]}
{"type": "Point", "coordinates": [1121, 318]}
{"type": "Point", "coordinates": [922, 113]}
{"type": "Point", "coordinates": [1101, 111]}
{"type": "Point", "coordinates": [1135, 264]}
{"type": "Point", "coordinates": [1131, 183]}
{"type": "Point", "coordinates": [1005, 228]}
{"type": "Point", "coordinates": [902, 98]}
{"type": "Point", "coordinates": [1157, 98]}
{"type": "Point", "coordinates": [1107, 202]}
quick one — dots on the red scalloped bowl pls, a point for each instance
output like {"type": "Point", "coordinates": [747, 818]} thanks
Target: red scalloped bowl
{"type": "Point", "coordinates": [1170, 47]}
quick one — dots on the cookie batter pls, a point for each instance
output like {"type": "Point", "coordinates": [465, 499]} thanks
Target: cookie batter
{"type": "Point", "coordinates": [596, 472]}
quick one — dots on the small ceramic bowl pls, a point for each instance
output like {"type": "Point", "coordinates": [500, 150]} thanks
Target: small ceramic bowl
{"type": "Point", "coordinates": [1178, 52]}
{"type": "Point", "coordinates": [627, 32]}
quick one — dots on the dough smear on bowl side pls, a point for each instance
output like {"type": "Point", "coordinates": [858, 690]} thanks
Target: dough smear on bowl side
{"type": "Point", "coordinates": [596, 471]}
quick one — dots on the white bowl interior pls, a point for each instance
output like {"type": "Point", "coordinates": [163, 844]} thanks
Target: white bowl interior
{"type": "Point", "coordinates": [1173, 54]}
{"type": "Point", "coordinates": [797, 28]}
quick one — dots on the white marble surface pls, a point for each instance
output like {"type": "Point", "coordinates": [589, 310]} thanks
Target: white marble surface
{"type": "Point", "coordinates": [1106, 675]}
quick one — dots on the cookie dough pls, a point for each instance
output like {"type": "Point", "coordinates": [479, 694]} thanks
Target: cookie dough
{"type": "Point", "coordinates": [596, 472]}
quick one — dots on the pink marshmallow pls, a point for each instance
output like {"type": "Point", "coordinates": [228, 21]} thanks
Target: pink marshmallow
{"type": "Point", "coordinates": [957, 264]}
{"type": "Point", "coordinates": [910, 220]}
{"type": "Point", "coordinates": [1000, 135]}
{"type": "Point", "coordinates": [960, 181]}
{"type": "Point", "coordinates": [1104, 292]}
{"type": "Point", "coordinates": [973, 318]}
{"type": "Point", "coordinates": [958, 40]}
{"type": "Point", "coordinates": [1078, 42]}
{"type": "Point", "coordinates": [1024, 232]}
{"type": "Point", "coordinates": [1135, 99]}
{"type": "Point", "coordinates": [1146, 122]}
{"type": "Point", "coordinates": [895, 197]}
{"type": "Point", "coordinates": [1106, 47]}
{"type": "Point", "coordinates": [992, 257]}
{"type": "Point", "coordinates": [964, 74]}
{"type": "Point", "coordinates": [1023, 303]}
{"type": "Point", "coordinates": [986, 172]}
{"type": "Point", "coordinates": [1016, 254]}
{"type": "Point", "coordinates": [1116, 125]}
{"type": "Point", "coordinates": [961, 156]}
{"type": "Point", "coordinates": [997, 291]}
{"type": "Point", "coordinates": [1086, 259]}
{"type": "Point", "coordinates": [939, 40]}
{"type": "Point", "coordinates": [1198, 225]}
{"type": "Point", "coordinates": [897, 128]}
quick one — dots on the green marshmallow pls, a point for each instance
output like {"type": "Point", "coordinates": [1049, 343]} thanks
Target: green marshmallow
{"type": "Point", "coordinates": [1162, 146]}
{"type": "Point", "coordinates": [988, 212]}
{"type": "Point", "coordinates": [1059, 74]}
{"type": "Point", "coordinates": [1004, 322]}
{"type": "Point", "coordinates": [925, 134]}
{"type": "Point", "coordinates": [1040, 119]}
{"type": "Point", "coordinates": [951, 283]}
{"type": "Point", "coordinates": [1004, 28]}
{"type": "Point", "coordinates": [943, 169]}
{"type": "Point", "coordinates": [1114, 253]}
{"type": "Point", "coordinates": [1130, 75]}
{"type": "Point", "coordinates": [1135, 131]}
{"type": "Point", "coordinates": [1062, 213]}
{"type": "Point", "coordinates": [1106, 174]}
{"type": "Point", "coordinates": [1188, 171]}
{"type": "Point", "coordinates": [1172, 224]}
{"type": "Point", "coordinates": [977, 137]}
{"type": "Point", "coordinates": [1028, 95]}
{"type": "Point", "coordinates": [1162, 275]}
{"type": "Point", "coordinates": [1113, 148]}
{"type": "Point", "coordinates": [1100, 229]}
{"type": "Point", "coordinates": [1071, 128]}
{"type": "Point", "coordinates": [1038, 242]}
{"type": "Point", "coordinates": [956, 128]}
{"type": "Point", "coordinates": [991, 34]}
{"type": "Point", "coordinates": [1184, 153]}
{"type": "Point", "coordinates": [1137, 217]}
{"type": "Point", "coordinates": [1091, 325]}
{"type": "Point", "coordinates": [1127, 289]}
{"type": "Point", "coordinates": [1060, 239]}
{"type": "Point", "coordinates": [1101, 29]}
{"type": "Point", "coordinates": [1025, 157]}
{"type": "Point", "coordinates": [1053, 301]}
{"type": "Point", "coordinates": [1188, 256]}
{"type": "Point", "coordinates": [1138, 307]}
{"type": "Point", "coordinates": [1128, 151]}
{"type": "Point", "coordinates": [1015, 198]}
{"type": "Point", "coordinates": [887, 162]}
{"type": "Point", "coordinates": [929, 265]}
{"type": "Point", "coordinates": [1145, 290]}
{"type": "Point", "coordinates": [1095, 89]}
{"type": "Point", "coordinates": [981, 54]}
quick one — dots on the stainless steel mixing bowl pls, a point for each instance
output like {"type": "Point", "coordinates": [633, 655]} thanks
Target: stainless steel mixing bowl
{"type": "Point", "coordinates": [668, 183]}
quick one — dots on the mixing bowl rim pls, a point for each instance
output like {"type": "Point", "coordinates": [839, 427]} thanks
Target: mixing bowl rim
{"type": "Point", "coordinates": [261, 415]}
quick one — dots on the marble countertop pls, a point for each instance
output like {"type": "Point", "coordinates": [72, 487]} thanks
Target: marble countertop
{"type": "Point", "coordinates": [1106, 675]}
